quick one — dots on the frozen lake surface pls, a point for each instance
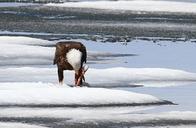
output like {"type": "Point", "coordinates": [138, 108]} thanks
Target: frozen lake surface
{"type": "Point", "coordinates": [142, 71]}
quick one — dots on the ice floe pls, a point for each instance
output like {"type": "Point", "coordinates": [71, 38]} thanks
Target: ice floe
{"type": "Point", "coordinates": [56, 95]}
{"type": "Point", "coordinates": [109, 77]}
{"type": "Point", "coordinates": [112, 115]}
{"type": "Point", "coordinates": [59, 112]}
{"type": "Point", "coordinates": [22, 50]}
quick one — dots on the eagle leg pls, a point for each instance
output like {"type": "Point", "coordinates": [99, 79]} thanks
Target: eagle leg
{"type": "Point", "coordinates": [60, 76]}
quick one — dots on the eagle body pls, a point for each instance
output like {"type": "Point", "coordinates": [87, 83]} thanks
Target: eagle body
{"type": "Point", "coordinates": [70, 55]}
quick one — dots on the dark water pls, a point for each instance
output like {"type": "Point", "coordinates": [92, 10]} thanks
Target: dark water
{"type": "Point", "coordinates": [96, 25]}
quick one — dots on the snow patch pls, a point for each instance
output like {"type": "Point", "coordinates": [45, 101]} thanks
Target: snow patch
{"type": "Point", "coordinates": [139, 75]}
{"type": "Point", "coordinates": [115, 115]}
{"type": "Point", "coordinates": [109, 77]}
{"type": "Point", "coordinates": [59, 112]}
{"type": "Point", "coordinates": [22, 40]}
{"type": "Point", "coordinates": [59, 95]}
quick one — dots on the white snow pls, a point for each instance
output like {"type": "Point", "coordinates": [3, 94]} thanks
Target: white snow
{"type": "Point", "coordinates": [36, 94]}
{"type": "Point", "coordinates": [21, 50]}
{"type": "Point", "coordinates": [73, 114]}
{"type": "Point", "coordinates": [59, 112]}
{"type": "Point", "coordinates": [74, 57]}
{"type": "Point", "coordinates": [141, 76]}
{"type": "Point", "coordinates": [134, 5]}
{"type": "Point", "coordinates": [124, 114]}
{"type": "Point", "coordinates": [22, 40]}
{"type": "Point", "coordinates": [119, 76]}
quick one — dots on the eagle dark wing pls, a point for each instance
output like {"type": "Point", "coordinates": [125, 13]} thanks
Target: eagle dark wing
{"type": "Point", "coordinates": [84, 53]}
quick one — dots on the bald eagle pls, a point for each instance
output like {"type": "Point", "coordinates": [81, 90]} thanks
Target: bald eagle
{"type": "Point", "coordinates": [71, 55]}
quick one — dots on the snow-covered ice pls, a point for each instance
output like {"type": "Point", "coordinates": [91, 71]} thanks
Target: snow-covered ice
{"type": "Point", "coordinates": [21, 50]}
{"type": "Point", "coordinates": [38, 94]}
{"type": "Point", "coordinates": [59, 112]}
{"type": "Point", "coordinates": [93, 114]}
{"type": "Point", "coordinates": [21, 40]}
{"type": "Point", "coordinates": [134, 5]}
{"type": "Point", "coordinates": [149, 77]}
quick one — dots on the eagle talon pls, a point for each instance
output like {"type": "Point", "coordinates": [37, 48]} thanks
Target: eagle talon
{"type": "Point", "coordinates": [79, 77]}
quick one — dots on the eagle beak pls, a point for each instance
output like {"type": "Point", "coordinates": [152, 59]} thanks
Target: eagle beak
{"type": "Point", "coordinates": [80, 75]}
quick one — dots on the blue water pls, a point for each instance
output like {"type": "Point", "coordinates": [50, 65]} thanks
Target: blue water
{"type": "Point", "coordinates": [183, 96]}
{"type": "Point", "coordinates": [164, 54]}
